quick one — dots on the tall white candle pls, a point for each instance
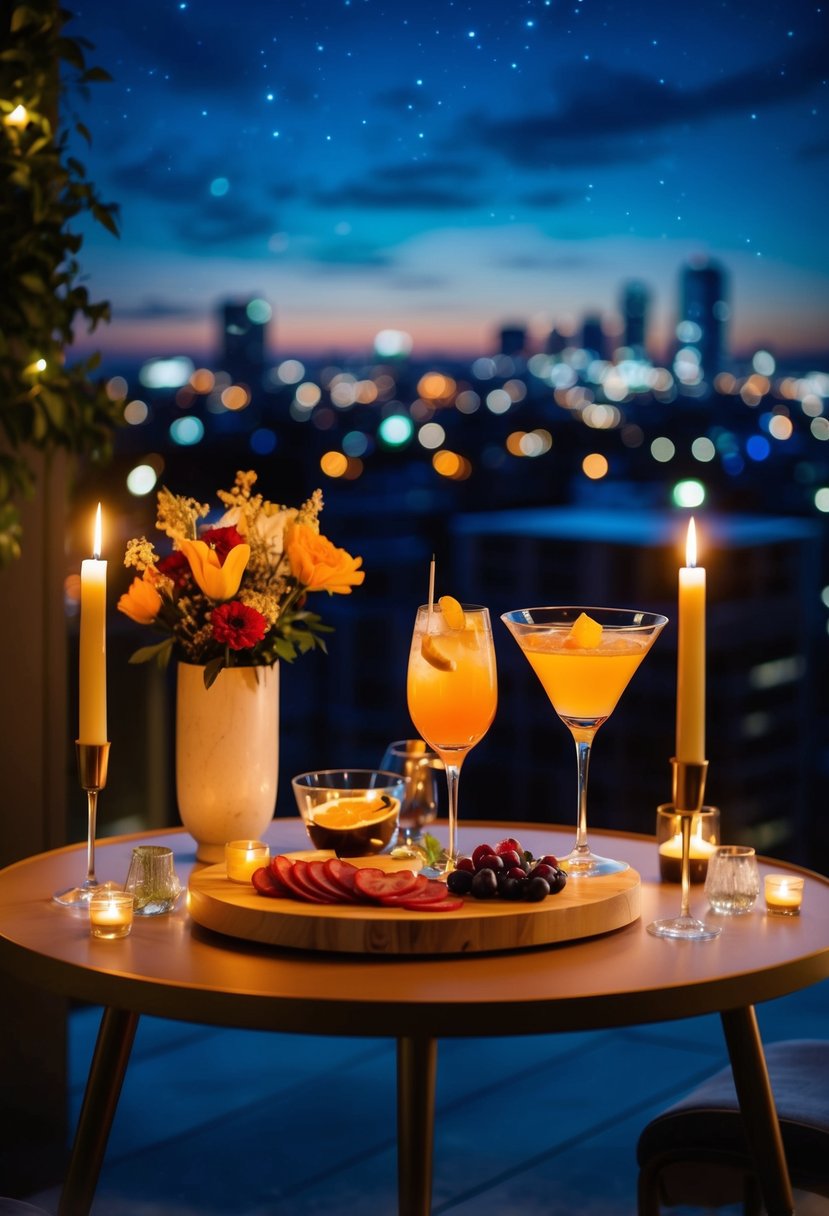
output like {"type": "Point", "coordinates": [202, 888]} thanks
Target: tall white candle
{"type": "Point", "coordinates": [690, 700]}
{"type": "Point", "coordinates": [92, 709]}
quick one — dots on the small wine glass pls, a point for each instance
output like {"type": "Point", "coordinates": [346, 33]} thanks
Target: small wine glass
{"type": "Point", "coordinates": [419, 767]}
{"type": "Point", "coordinates": [452, 694]}
{"type": "Point", "coordinates": [584, 658]}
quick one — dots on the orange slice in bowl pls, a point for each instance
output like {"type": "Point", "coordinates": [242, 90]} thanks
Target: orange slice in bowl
{"type": "Point", "coordinates": [433, 654]}
{"type": "Point", "coordinates": [351, 812]}
{"type": "Point", "coordinates": [354, 827]}
{"type": "Point", "coordinates": [453, 614]}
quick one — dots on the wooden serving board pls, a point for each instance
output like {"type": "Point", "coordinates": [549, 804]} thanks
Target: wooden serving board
{"type": "Point", "coordinates": [585, 907]}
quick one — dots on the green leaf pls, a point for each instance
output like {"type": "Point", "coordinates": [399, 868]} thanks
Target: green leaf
{"type": "Point", "coordinates": [430, 850]}
{"type": "Point", "coordinates": [96, 75]}
{"type": "Point", "coordinates": [23, 16]}
{"type": "Point", "coordinates": [161, 652]}
{"type": "Point", "coordinates": [212, 669]}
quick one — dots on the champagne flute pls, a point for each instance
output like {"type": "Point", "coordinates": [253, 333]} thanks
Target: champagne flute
{"type": "Point", "coordinates": [452, 691]}
{"type": "Point", "coordinates": [584, 658]}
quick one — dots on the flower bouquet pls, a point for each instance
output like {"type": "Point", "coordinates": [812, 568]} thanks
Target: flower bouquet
{"type": "Point", "coordinates": [235, 595]}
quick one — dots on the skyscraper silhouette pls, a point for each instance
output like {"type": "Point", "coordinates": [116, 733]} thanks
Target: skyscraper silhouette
{"type": "Point", "coordinates": [703, 314]}
{"type": "Point", "coordinates": [243, 341]}
{"type": "Point", "coordinates": [635, 301]}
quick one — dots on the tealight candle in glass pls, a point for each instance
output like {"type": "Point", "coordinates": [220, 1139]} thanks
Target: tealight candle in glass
{"type": "Point", "coordinates": [705, 836]}
{"type": "Point", "coordinates": [110, 914]}
{"type": "Point", "coordinates": [242, 857]}
{"type": "Point", "coordinates": [784, 894]}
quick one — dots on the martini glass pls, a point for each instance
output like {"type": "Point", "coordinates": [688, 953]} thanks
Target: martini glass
{"type": "Point", "coordinates": [452, 694]}
{"type": "Point", "coordinates": [584, 658]}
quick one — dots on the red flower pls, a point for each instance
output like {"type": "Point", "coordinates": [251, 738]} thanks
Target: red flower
{"type": "Point", "coordinates": [222, 540]}
{"type": "Point", "coordinates": [175, 567]}
{"type": "Point", "coordinates": [237, 625]}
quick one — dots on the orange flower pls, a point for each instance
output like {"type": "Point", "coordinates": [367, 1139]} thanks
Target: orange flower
{"type": "Point", "coordinates": [319, 565]}
{"type": "Point", "coordinates": [217, 581]}
{"type": "Point", "coordinates": [141, 602]}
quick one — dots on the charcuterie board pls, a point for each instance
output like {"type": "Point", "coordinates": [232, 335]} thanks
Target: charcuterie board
{"type": "Point", "coordinates": [585, 908]}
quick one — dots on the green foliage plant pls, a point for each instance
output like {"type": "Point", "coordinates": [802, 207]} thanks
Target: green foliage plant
{"type": "Point", "coordinates": [47, 401]}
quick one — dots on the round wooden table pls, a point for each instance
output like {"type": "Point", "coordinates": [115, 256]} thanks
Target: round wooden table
{"type": "Point", "coordinates": [171, 967]}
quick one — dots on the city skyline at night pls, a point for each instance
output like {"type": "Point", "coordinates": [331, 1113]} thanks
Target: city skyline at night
{"type": "Point", "coordinates": [447, 170]}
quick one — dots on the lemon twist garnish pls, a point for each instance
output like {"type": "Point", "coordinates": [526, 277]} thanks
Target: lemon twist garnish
{"type": "Point", "coordinates": [453, 614]}
{"type": "Point", "coordinates": [434, 655]}
{"type": "Point", "coordinates": [585, 634]}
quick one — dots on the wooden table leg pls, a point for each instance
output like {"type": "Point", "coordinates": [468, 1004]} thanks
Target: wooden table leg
{"type": "Point", "coordinates": [103, 1088]}
{"type": "Point", "coordinates": [416, 1071]}
{"type": "Point", "coordinates": [751, 1080]}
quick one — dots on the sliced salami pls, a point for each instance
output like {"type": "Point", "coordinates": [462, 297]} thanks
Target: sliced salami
{"type": "Point", "coordinates": [429, 891]}
{"type": "Point", "coordinates": [440, 905]}
{"type": "Point", "coordinates": [341, 873]}
{"type": "Point", "coordinates": [315, 893]}
{"type": "Point", "coordinates": [379, 886]}
{"type": "Point", "coordinates": [316, 875]}
{"type": "Point", "coordinates": [265, 883]}
{"type": "Point", "coordinates": [285, 872]}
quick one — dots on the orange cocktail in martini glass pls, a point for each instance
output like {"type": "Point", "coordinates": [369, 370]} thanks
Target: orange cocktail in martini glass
{"type": "Point", "coordinates": [584, 658]}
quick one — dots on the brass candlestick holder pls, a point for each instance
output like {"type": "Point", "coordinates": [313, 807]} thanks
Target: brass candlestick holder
{"type": "Point", "coordinates": [93, 761]}
{"type": "Point", "coordinates": [688, 796]}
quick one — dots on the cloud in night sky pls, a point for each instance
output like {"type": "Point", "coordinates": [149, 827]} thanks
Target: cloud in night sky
{"type": "Point", "coordinates": [158, 310]}
{"type": "Point", "coordinates": [393, 196]}
{"type": "Point", "coordinates": [595, 105]}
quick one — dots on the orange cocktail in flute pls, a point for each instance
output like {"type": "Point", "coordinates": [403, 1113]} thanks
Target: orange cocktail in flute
{"type": "Point", "coordinates": [452, 687]}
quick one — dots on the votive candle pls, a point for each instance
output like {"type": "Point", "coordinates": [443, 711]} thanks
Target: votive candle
{"type": "Point", "coordinates": [110, 914]}
{"type": "Point", "coordinates": [242, 857]}
{"type": "Point", "coordinates": [784, 894]}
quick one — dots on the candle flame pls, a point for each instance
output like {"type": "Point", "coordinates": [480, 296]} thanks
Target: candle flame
{"type": "Point", "coordinates": [691, 544]}
{"type": "Point", "coordinates": [96, 546]}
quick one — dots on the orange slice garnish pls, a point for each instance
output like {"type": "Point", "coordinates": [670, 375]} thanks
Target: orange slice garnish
{"type": "Point", "coordinates": [453, 614]}
{"type": "Point", "coordinates": [433, 654]}
{"type": "Point", "coordinates": [585, 634]}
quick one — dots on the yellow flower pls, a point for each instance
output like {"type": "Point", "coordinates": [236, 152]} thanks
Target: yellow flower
{"type": "Point", "coordinates": [141, 602]}
{"type": "Point", "coordinates": [319, 565]}
{"type": "Point", "coordinates": [217, 581]}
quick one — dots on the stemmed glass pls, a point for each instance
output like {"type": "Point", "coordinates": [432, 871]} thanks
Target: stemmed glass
{"type": "Point", "coordinates": [452, 692]}
{"type": "Point", "coordinates": [93, 760]}
{"type": "Point", "coordinates": [584, 658]}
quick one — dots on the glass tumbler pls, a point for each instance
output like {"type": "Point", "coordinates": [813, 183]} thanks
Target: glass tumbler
{"type": "Point", "coordinates": [733, 880]}
{"type": "Point", "coordinates": [152, 880]}
{"type": "Point", "coordinates": [419, 768]}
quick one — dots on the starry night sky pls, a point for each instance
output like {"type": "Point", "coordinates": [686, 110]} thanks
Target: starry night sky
{"type": "Point", "coordinates": [445, 168]}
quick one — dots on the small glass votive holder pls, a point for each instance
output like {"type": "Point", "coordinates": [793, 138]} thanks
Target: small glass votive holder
{"type": "Point", "coordinates": [110, 914]}
{"type": "Point", "coordinates": [152, 880]}
{"type": "Point", "coordinates": [733, 880]}
{"type": "Point", "coordinates": [242, 857]}
{"type": "Point", "coordinates": [784, 894]}
{"type": "Point", "coordinates": [705, 836]}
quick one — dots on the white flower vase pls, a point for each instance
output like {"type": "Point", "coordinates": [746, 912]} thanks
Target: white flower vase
{"type": "Point", "coordinates": [227, 754]}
